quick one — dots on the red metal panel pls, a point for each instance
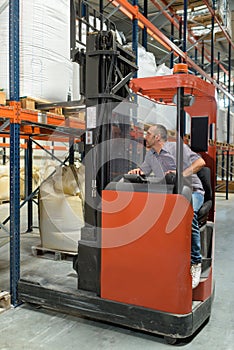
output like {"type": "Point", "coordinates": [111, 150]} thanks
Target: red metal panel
{"type": "Point", "coordinates": [204, 289]}
{"type": "Point", "coordinates": [146, 244]}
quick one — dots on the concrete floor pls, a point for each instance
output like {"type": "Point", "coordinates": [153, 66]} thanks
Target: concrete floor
{"type": "Point", "coordinates": [27, 327]}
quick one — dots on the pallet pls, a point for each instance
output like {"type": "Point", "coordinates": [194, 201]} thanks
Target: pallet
{"type": "Point", "coordinates": [3, 201]}
{"type": "Point", "coordinates": [2, 98]}
{"type": "Point", "coordinates": [221, 186]}
{"type": "Point", "coordinates": [28, 102]}
{"type": "Point", "coordinates": [5, 301]}
{"type": "Point", "coordinates": [52, 254]}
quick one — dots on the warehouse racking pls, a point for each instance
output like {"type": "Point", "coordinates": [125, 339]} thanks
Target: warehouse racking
{"type": "Point", "coordinates": [30, 125]}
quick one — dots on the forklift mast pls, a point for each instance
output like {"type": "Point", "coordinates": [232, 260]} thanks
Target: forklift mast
{"type": "Point", "coordinates": [108, 69]}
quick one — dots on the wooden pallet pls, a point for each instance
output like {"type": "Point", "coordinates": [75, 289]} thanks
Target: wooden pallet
{"type": "Point", "coordinates": [28, 102]}
{"type": "Point", "coordinates": [3, 201]}
{"type": "Point", "coordinates": [2, 98]}
{"type": "Point", "coordinates": [52, 254]}
{"type": "Point", "coordinates": [221, 186]}
{"type": "Point", "coordinates": [5, 301]}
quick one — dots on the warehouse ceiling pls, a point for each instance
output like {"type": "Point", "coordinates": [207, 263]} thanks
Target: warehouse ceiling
{"type": "Point", "coordinates": [198, 24]}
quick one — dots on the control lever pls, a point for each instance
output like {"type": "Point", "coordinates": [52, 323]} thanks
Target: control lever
{"type": "Point", "coordinates": [135, 178]}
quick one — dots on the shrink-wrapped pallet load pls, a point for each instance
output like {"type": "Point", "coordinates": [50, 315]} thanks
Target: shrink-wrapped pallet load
{"type": "Point", "coordinates": [61, 209]}
{"type": "Point", "coordinates": [148, 111]}
{"type": "Point", "coordinates": [45, 66]}
{"type": "Point", "coordinates": [221, 126]}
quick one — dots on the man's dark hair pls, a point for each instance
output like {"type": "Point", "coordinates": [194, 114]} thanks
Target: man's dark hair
{"type": "Point", "coordinates": [160, 129]}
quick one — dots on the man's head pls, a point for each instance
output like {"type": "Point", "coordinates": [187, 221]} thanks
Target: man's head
{"type": "Point", "coordinates": [156, 136]}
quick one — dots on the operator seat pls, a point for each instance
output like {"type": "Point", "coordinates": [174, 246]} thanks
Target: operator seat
{"type": "Point", "coordinates": [204, 176]}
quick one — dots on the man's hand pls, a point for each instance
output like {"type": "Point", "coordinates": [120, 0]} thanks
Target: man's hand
{"type": "Point", "coordinates": [170, 171]}
{"type": "Point", "coordinates": [136, 171]}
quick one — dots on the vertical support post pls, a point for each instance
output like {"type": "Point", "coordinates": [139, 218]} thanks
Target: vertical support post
{"type": "Point", "coordinates": [101, 13]}
{"type": "Point", "coordinates": [218, 68]}
{"type": "Point", "coordinates": [231, 168]}
{"type": "Point", "coordinates": [52, 144]}
{"type": "Point", "coordinates": [224, 96]}
{"type": "Point", "coordinates": [71, 150]}
{"type": "Point", "coordinates": [81, 12]}
{"type": "Point", "coordinates": [180, 36]}
{"type": "Point", "coordinates": [172, 40]}
{"type": "Point", "coordinates": [87, 17]}
{"type": "Point", "coordinates": [203, 55]}
{"type": "Point", "coordinates": [185, 27]}
{"type": "Point", "coordinates": [228, 118]}
{"type": "Point", "coordinates": [71, 145]}
{"type": "Point", "coordinates": [196, 57]}
{"type": "Point", "coordinates": [223, 165]}
{"type": "Point", "coordinates": [14, 49]}
{"type": "Point", "coordinates": [28, 181]}
{"type": "Point", "coordinates": [4, 152]}
{"type": "Point", "coordinates": [135, 36]}
{"type": "Point", "coordinates": [14, 212]}
{"type": "Point", "coordinates": [72, 29]}
{"type": "Point", "coordinates": [83, 9]}
{"type": "Point", "coordinates": [212, 46]}
{"type": "Point", "coordinates": [179, 139]}
{"type": "Point", "coordinates": [14, 151]}
{"type": "Point", "coordinates": [144, 32]}
{"type": "Point", "coordinates": [101, 6]}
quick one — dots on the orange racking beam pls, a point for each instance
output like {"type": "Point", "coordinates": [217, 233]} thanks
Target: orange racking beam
{"type": "Point", "coordinates": [17, 115]}
{"type": "Point", "coordinates": [52, 137]}
{"type": "Point", "coordinates": [6, 112]}
{"type": "Point", "coordinates": [35, 147]}
{"type": "Point", "coordinates": [133, 12]}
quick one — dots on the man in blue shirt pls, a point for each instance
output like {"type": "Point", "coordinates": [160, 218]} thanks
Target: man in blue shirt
{"type": "Point", "coordinates": [160, 160]}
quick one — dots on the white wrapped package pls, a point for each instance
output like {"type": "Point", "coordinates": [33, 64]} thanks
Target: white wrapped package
{"type": "Point", "coordinates": [61, 210]}
{"type": "Point", "coordinates": [146, 63]}
{"type": "Point", "coordinates": [76, 82]}
{"type": "Point", "coordinates": [45, 67]}
{"type": "Point", "coordinates": [150, 112]}
{"type": "Point", "coordinates": [221, 126]}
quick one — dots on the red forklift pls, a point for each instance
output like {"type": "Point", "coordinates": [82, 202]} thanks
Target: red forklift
{"type": "Point", "coordinates": [133, 262]}
{"type": "Point", "coordinates": [153, 263]}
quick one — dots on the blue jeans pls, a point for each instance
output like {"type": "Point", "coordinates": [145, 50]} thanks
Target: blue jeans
{"type": "Point", "coordinates": [197, 200]}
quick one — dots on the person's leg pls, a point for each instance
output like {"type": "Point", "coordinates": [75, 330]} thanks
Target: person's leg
{"type": "Point", "coordinates": [197, 200]}
{"type": "Point", "coordinates": [196, 258]}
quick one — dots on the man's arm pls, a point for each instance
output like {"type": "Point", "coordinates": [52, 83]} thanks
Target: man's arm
{"type": "Point", "coordinates": [145, 168]}
{"type": "Point", "coordinates": [194, 167]}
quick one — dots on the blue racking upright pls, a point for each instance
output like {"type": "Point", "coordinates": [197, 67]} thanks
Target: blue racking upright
{"type": "Point", "coordinates": [14, 150]}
